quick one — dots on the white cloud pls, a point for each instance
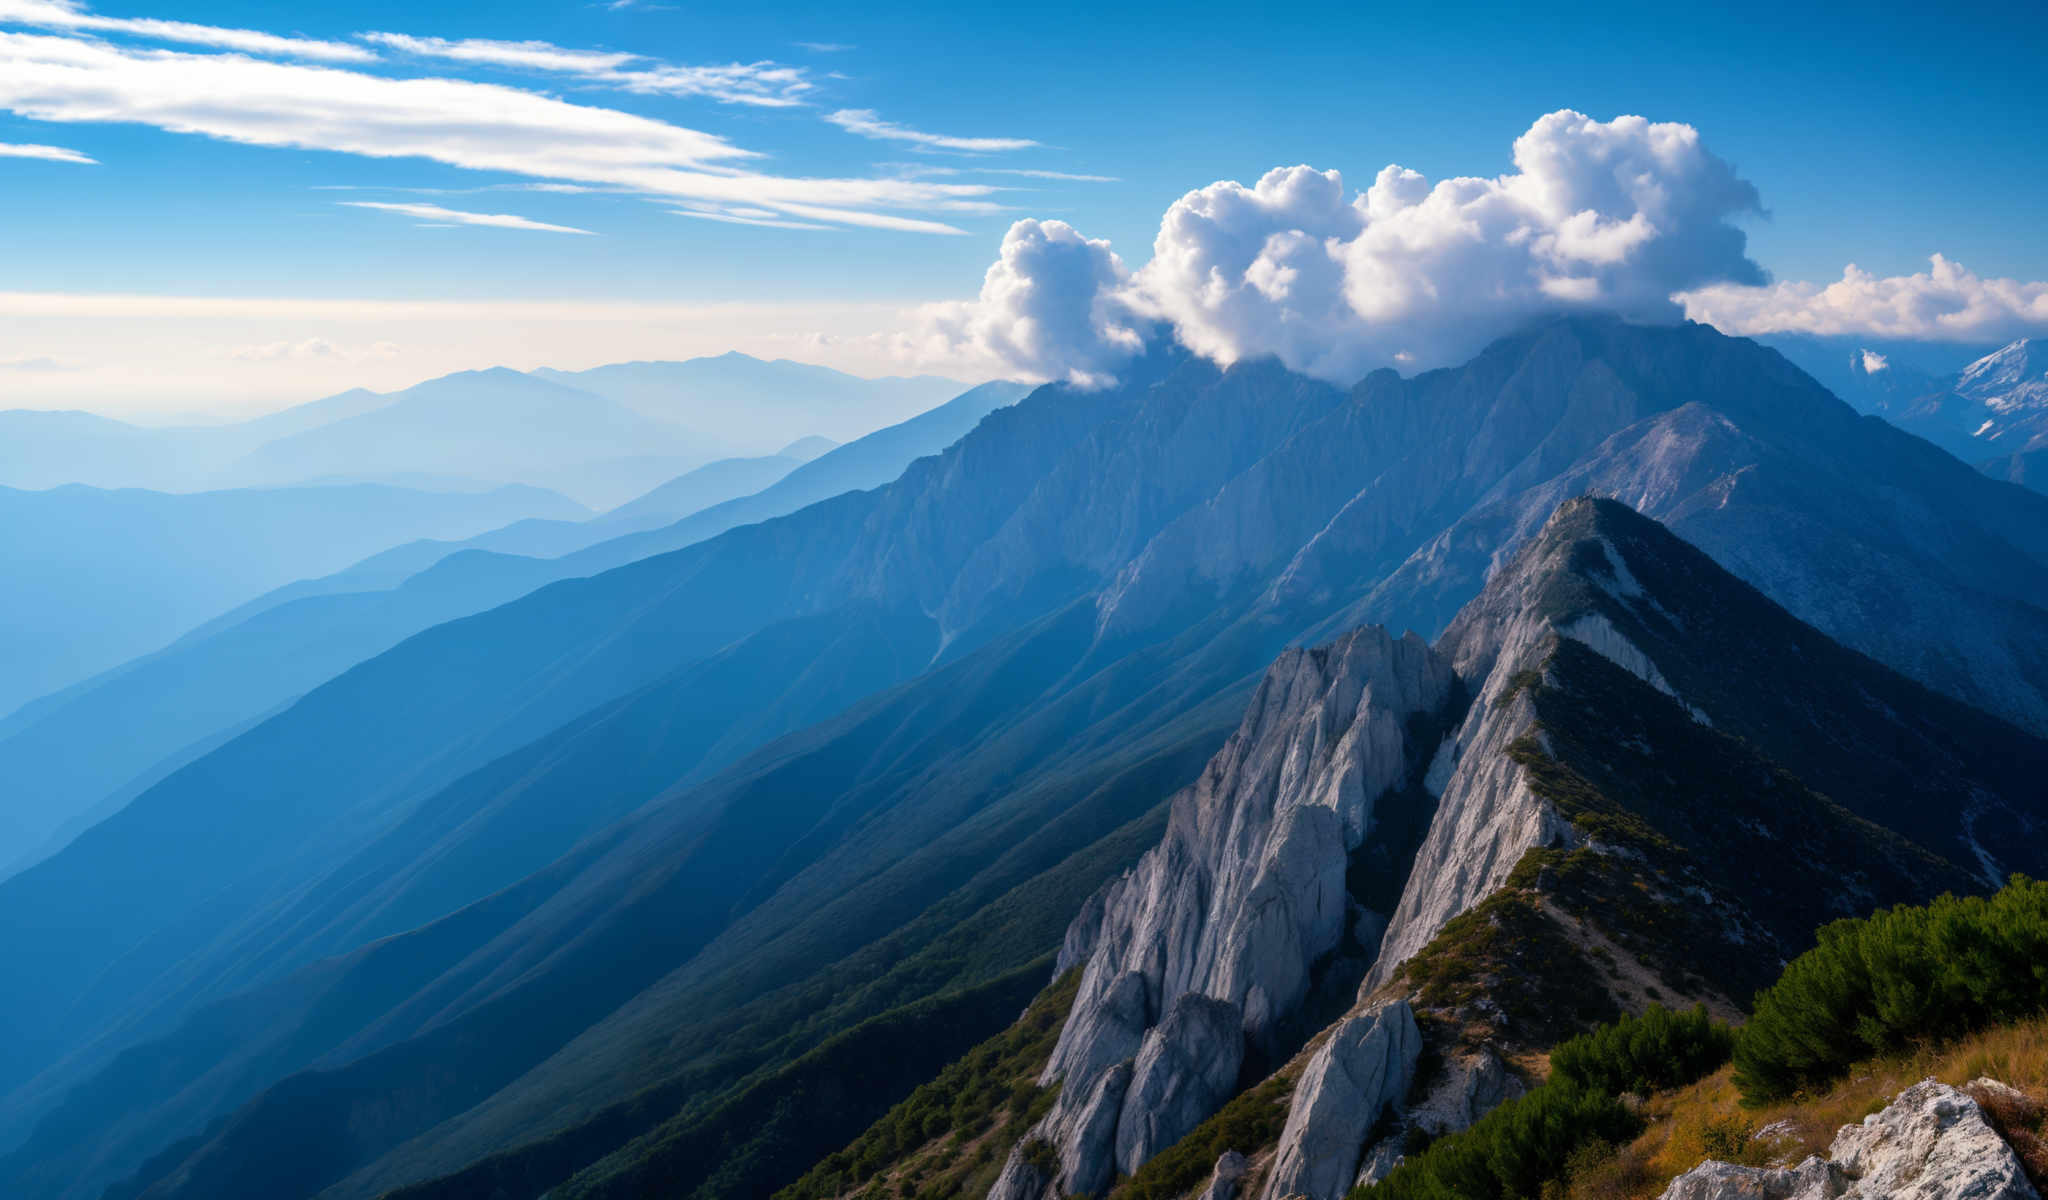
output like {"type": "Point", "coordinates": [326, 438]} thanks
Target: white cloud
{"type": "Point", "coordinates": [535, 56]}
{"type": "Point", "coordinates": [1051, 306]}
{"type": "Point", "coordinates": [824, 47]}
{"type": "Point", "coordinates": [1947, 302]}
{"type": "Point", "coordinates": [71, 15]}
{"type": "Point", "coordinates": [763, 84]}
{"type": "Point", "coordinates": [461, 123]}
{"type": "Point", "coordinates": [747, 216]}
{"type": "Point", "coordinates": [314, 349]}
{"type": "Point", "coordinates": [869, 124]}
{"type": "Point", "coordinates": [1610, 216]}
{"type": "Point", "coordinates": [35, 363]}
{"type": "Point", "coordinates": [1873, 362]}
{"type": "Point", "coordinates": [46, 153]}
{"type": "Point", "coordinates": [434, 212]}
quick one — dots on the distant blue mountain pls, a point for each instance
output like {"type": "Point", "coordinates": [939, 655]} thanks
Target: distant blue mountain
{"type": "Point", "coordinates": [97, 577]}
{"type": "Point", "coordinates": [174, 704]}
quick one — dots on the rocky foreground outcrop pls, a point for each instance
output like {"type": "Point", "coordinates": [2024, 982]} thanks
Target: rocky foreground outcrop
{"type": "Point", "coordinates": [1932, 1143]}
{"type": "Point", "coordinates": [1362, 1071]}
{"type": "Point", "coordinates": [1208, 944]}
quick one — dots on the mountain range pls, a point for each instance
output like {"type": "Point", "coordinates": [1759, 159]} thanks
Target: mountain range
{"type": "Point", "coordinates": [1992, 410]}
{"type": "Point", "coordinates": [97, 578]}
{"type": "Point", "coordinates": [602, 436]}
{"type": "Point", "coordinates": [184, 699]}
{"type": "Point", "coordinates": [568, 895]}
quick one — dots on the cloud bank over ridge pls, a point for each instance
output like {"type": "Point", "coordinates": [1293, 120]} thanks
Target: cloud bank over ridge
{"type": "Point", "coordinates": [1627, 216]}
{"type": "Point", "coordinates": [1613, 216]}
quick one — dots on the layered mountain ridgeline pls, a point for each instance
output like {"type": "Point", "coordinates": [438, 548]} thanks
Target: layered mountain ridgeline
{"type": "Point", "coordinates": [602, 435]}
{"type": "Point", "coordinates": [182, 702]}
{"type": "Point", "coordinates": [1049, 629]}
{"type": "Point", "coordinates": [97, 577]}
{"type": "Point", "coordinates": [1635, 807]}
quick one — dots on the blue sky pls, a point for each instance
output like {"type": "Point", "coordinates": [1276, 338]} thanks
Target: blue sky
{"type": "Point", "coordinates": [1873, 135]}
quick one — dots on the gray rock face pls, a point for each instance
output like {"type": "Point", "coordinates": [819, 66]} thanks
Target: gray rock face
{"type": "Point", "coordinates": [1228, 1175]}
{"type": "Point", "coordinates": [1083, 1139]}
{"type": "Point", "coordinates": [1363, 1069]}
{"type": "Point", "coordinates": [1932, 1143]}
{"type": "Point", "coordinates": [1184, 1072]}
{"type": "Point", "coordinates": [1242, 896]}
{"type": "Point", "coordinates": [1466, 1089]}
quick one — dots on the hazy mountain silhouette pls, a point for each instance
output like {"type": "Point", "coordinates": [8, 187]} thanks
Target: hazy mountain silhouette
{"type": "Point", "coordinates": [181, 701]}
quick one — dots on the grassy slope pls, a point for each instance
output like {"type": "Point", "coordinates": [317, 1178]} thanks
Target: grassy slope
{"type": "Point", "coordinates": [1708, 1119]}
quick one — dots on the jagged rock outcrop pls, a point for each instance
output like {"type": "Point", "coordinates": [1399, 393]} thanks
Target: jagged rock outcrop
{"type": "Point", "coordinates": [1932, 1143]}
{"type": "Point", "coordinates": [1242, 897]}
{"type": "Point", "coordinates": [1464, 1089]}
{"type": "Point", "coordinates": [1184, 1071]}
{"type": "Point", "coordinates": [1228, 1175]}
{"type": "Point", "coordinates": [1364, 1068]}
{"type": "Point", "coordinates": [1487, 815]}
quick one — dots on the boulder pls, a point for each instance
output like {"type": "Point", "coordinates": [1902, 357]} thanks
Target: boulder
{"type": "Point", "coordinates": [1932, 1143]}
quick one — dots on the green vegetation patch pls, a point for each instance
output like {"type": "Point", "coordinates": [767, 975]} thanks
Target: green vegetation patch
{"type": "Point", "coordinates": [1510, 952]}
{"type": "Point", "coordinates": [1247, 1124]}
{"type": "Point", "coordinates": [988, 1098]}
{"type": "Point", "coordinates": [1525, 1146]}
{"type": "Point", "coordinates": [1878, 983]}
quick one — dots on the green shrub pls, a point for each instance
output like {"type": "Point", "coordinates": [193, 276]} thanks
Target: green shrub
{"type": "Point", "coordinates": [1901, 975]}
{"type": "Point", "coordinates": [1658, 1049]}
{"type": "Point", "coordinates": [1512, 1151]}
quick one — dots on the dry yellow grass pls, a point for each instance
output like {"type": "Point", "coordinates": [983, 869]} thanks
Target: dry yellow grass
{"type": "Point", "coordinates": [1707, 1120]}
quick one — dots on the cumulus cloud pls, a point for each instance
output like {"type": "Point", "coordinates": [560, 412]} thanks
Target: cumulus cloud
{"type": "Point", "coordinates": [1611, 216]}
{"type": "Point", "coordinates": [46, 153]}
{"type": "Point", "coordinates": [869, 124]}
{"type": "Point", "coordinates": [1946, 302]}
{"type": "Point", "coordinates": [451, 216]}
{"type": "Point", "coordinates": [69, 14]}
{"type": "Point", "coordinates": [1051, 306]}
{"type": "Point", "coordinates": [461, 123]}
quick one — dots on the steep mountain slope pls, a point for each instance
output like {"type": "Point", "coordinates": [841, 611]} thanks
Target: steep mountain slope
{"type": "Point", "coordinates": [1637, 773]}
{"type": "Point", "coordinates": [80, 558]}
{"type": "Point", "coordinates": [1107, 573]}
{"type": "Point", "coordinates": [739, 404]}
{"type": "Point", "coordinates": [180, 702]}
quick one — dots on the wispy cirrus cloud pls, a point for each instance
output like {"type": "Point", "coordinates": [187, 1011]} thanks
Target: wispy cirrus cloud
{"type": "Point", "coordinates": [823, 47]}
{"type": "Point", "coordinates": [36, 363]}
{"type": "Point", "coordinates": [46, 153]}
{"type": "Point", "coordinates": [461, 123]}
{"type": "Point", "coordinates": [452, 216]}
{"type": "Point", "coordinates": [313, 349]}
{"type": "Point", "coordinates": [764, 217]}
{"type": "Point", "coordinates": [869, 124]}
{"type": "Point", "coordinates": [763, 84]}
{"type": "Point", "coordinates": [536, 56]}
{"type": "Point", "coordinates": [70, 15]}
